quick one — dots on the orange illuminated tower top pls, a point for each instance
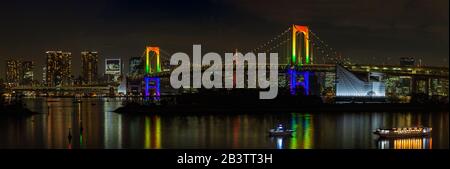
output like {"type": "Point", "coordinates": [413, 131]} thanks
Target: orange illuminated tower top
{"type": "Point", "coordinates": [147, 59]}
{"type": "Point", "coordinates": [299, 59]}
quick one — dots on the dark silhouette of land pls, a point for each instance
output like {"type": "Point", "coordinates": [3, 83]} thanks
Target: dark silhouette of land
{"type": "Point", "coordinates": [241, 101]}
{"type": "Point", "coordinates": [15, 109]}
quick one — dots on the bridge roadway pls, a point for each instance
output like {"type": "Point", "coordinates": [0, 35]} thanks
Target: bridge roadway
{"type": "Point", "coordinates": [434, 72]}
{"type": "Point", "coordinates": [64, 88]}
{"type": "Point", "coordinates": [427, 72]}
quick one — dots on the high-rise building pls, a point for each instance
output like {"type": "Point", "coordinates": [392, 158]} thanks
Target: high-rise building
{"type": "Point", "coordinates": [26, 73]}
{"type": "Point", "coordinates": [89, 61]}
{"type": "Point", "coordinates": [135, 66]}
{"type": "Point", "coordinates": [59, 68]}
{"type": "Point", "coordinates": [13, 71]}
{"type": "Point", "coordinates": [113, 70]}
{"type": "Point", "coordinates": [44, 75]}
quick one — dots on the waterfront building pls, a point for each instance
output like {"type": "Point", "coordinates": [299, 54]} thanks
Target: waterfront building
{"type": "Point", "coordinates": [26, 73]}
{"type": "Point", "coordinates": [13, 72]}
{"type": "Point", "coordinates": [89, 62]}
{"type": "Point", "coordinates": [113, 70]}
{"type": "Point", "coordinates": [59, 68]}
{"type": "Point", "coordinates": [135, 66]}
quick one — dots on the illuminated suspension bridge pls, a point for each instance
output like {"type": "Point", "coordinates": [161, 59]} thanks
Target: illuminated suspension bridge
{"type": "Point", "coordinates": [302, 55]}
{"type": "Point", "coordinates": [295, 46]}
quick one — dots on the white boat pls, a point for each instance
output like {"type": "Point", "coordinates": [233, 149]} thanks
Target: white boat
{"type": "Point", "coordinates": [280, 132]}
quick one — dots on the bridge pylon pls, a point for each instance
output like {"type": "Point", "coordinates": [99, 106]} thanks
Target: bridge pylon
{"type": "Point", "coordinates": [149, 60]}
{"type": "Point", "coordinates": [152, 84]}
{"type": "Point", "coordinates": [301, 53]}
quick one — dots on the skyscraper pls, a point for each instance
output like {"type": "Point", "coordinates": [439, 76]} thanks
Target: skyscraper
{"type": "Point", "coordinates": [89, 61]}
{"type": "Point", "coordinates": [59, 68]}
{"type": "Point", "coordinates": [13, 71]}
{"type": "Point", "coordinates": [135, 66]}
{"type": "Point", "coordinates": [113, 70]}
{"type": "Point", "coordinates": [44, 75]}
{"type": "Point", "coordinates": [26, 73]}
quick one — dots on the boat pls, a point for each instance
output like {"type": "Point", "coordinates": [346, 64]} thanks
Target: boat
{"type": "Point", "coordinates": [404, 132]}
{"type": "Point", "coordinates": [280, 131]}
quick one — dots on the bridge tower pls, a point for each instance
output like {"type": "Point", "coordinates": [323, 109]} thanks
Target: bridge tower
{"type": "Point", "coordinates": [152, 53]}
{"type": "Point", "coordinates": [301, 53]}
{"type": "Point", "coordinates": [152, 84]}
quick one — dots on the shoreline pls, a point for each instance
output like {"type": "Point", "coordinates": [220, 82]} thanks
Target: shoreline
{"type": "Point", "coordinates": [134, 109]}
{"type": "Point", "coordinates": [15, 110]}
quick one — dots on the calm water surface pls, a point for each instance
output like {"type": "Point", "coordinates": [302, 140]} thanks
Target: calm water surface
{"type": "Point", "coordinates": [92, 124]}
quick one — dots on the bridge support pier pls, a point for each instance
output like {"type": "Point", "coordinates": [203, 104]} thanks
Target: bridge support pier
{"type": "Point", "coordinates": [152, 87]}
{"type": "Point", "coordinates": [299, 81]}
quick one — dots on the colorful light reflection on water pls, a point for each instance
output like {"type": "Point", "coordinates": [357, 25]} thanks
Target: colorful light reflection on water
{"type": "Point", "coordinates": [406, 143]}
{"type": "Point", "coordinates": [303, 135]}
{"type": "Point", "coordinates": [102, 128]}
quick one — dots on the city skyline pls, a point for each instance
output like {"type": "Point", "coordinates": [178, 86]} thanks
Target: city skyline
{"type": "Point", "coordinates": [122, 29]}
{"type": "Point", "coordinates": [224, 83]}
{"type": "Point", "coordinates": [126, 63]}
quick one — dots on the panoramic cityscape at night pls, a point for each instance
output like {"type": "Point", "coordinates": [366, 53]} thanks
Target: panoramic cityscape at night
{"type": "Point", "coordinates": [224, 75]}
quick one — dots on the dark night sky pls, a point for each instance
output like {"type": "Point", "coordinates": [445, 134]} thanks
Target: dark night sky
{"type": "Point", "coordinates": [366, 31]}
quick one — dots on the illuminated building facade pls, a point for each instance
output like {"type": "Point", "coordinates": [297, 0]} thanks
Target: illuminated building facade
{"type": "Point", "coordinates": [13, 71]}
{"type": "Point", "coordinates": [26, 73]}
{"type": "Point", "coordinates": [44, 75]}
{"type": "Point", "coordinates": [398, 86]}
{"type": "Point", "coordinates": [135, 66]}
{"type": "Point", "coordinates": [113, 70]}
{"type": "Point", "coordinates": [59, 68]}
{"type": "Point", "coordinates": [440, 87]}
{"type": "Point", "coordinates": [430, 86]}
{"type": "Point", "coordinates": [330, 82]}
{"type": "Point", "coordinates": [134, 82]}
{"type": "Point", "coordinates": [89, 62]}
{"type": "Point", "coordinates": [349, 85]}
{"type": "Point", "coordinates": [19, 72]}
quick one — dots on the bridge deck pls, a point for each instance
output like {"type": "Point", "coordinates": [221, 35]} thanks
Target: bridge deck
{"type": "Point", "coordinates": [440, 72]}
